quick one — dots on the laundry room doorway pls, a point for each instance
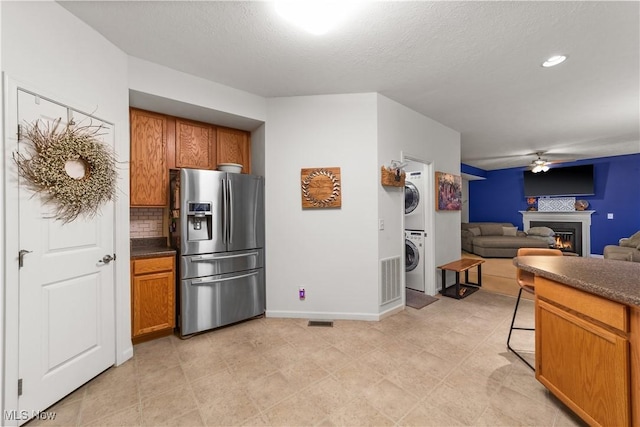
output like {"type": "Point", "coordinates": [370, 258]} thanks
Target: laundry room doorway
{"type": "Point", "coordinates": [419, 224]}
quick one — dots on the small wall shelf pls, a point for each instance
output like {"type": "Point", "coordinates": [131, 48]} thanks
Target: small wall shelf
{"type": "Point", "coordinates": [391, 178]}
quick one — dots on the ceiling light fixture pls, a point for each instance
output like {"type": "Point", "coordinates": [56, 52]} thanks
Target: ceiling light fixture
{"type": "Point", "coordinates": [316, 17]}
{"type": "Point", "coordinates": [540, 168]}
{"type": "Point", "coordinates": [554, 60]}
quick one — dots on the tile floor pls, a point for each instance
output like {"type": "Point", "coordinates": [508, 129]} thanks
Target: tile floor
{"type": "Point", "coordinates": [445, 364]}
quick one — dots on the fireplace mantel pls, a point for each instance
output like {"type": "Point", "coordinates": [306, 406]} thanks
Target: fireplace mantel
{"type": "Point", "coordinates": [583, 217]}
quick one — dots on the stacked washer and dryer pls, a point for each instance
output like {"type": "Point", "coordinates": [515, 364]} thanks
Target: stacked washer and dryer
{"type": "Point", "coordinates": [414, 224]}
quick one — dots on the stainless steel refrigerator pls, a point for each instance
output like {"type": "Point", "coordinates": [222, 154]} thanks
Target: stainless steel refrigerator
{"type": "Point", "coordinates": [217, 226]}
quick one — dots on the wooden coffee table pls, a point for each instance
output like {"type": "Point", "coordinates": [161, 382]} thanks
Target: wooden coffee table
{"type": "Point", "coordinates": [461, 290]}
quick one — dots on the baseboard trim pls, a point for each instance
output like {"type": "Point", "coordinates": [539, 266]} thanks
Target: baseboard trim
{"type": "Point", "coordinates": [319, 315]}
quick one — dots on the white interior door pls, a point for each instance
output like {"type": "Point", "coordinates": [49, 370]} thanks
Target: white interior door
{"type": "Point", "coordinates": [66, 321]}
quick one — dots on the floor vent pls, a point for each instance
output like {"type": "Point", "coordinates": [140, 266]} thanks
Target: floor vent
{"type": "Point", "coordinates": [390, 285]}
{"type": "Point", "coordinates": [325, 323]}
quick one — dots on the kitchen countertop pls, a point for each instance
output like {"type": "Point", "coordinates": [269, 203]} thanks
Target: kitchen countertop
{"type": "Point", "coordinates": [615, 280]}
{"type": "Point", "coordinates": [150, 247]}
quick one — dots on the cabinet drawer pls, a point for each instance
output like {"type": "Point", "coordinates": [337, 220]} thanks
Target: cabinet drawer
{"type": "Point", "coordinates": [605, 311]}
{"type": "Point", "coordinates": [152, 265]}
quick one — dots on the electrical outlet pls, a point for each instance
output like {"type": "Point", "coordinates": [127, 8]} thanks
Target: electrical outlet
{"type": "Point", "coordinates": [609, 216]}
{"type": "Point", "coordinates": [301, 293]}
{"type": "Point", "coordinates": [381, 224]}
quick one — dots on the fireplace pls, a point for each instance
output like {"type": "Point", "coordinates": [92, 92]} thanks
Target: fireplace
{"type": "Point", "coordinates": [568, 235]}
{"type": "Point", "coordinates": [572, 228]}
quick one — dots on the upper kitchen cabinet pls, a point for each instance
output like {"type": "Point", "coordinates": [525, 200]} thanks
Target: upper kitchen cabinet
{"type": "Point", "coordinates": [149, 171]}
{"type": "Point", "coordinates": [234, 146]}
{"type": "Point", "coordinates": [195, 145]}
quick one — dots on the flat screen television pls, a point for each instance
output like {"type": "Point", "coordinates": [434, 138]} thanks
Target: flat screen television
{"type": "Point", "coordinates": [567, 181]}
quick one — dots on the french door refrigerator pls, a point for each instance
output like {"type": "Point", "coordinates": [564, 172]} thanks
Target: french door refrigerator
{"type": "Point", "coordinates": [217, 226]}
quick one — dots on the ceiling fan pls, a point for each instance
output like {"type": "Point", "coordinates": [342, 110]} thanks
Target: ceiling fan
{"type": "Point", "coordinates": [542, 165]}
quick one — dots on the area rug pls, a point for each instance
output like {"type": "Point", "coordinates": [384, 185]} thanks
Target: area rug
{"type": "Point", "coordinates": [419, 300]}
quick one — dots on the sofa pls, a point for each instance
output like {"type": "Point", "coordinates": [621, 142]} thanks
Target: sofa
{"type": "Point", "coordinates": [501, 239]}
{"type": "Point", "coordinates": [627, 249]}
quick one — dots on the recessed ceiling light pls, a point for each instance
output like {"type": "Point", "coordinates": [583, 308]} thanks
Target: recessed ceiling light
{"type": "Point", "coordinates": [554, 60]}
{"type": "Point", "coordinates": [316, 17]}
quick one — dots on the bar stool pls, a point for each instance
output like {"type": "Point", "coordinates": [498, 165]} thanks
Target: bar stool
{"type": "Point", "coordinates": [525, 280]}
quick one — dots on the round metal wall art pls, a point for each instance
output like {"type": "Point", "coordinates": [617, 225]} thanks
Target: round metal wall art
{"type": "Point", "coordinates": [45, 168]}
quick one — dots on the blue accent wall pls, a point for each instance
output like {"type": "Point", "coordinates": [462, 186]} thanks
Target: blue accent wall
{"type": "Point", "coordinates": [500, 197]}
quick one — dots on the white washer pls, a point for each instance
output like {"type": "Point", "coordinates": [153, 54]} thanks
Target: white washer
{"type": "Point", "coordinates": [414, 201]}
{"type": "Point", "coordinates": [414, 259]}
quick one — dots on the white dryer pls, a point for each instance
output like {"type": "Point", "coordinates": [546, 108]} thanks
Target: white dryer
{"type": "Point", "coordinates": [414, 201]}
{"type": "Point", "coordinates": [414, 259]}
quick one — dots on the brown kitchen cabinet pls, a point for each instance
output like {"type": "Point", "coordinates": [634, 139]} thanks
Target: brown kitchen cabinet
{"type": "Point", "coordinates": [148, 171]}
{"type": "Point", "coordinates": [195, 145]}
{"type": "Point", "coordinates": [233, 146]}
{"type": "Point", "coordinates": [152, 297]}
{"type": "Point", "coordinates": [583, 352]}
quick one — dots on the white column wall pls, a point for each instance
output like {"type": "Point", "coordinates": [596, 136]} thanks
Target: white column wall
{"type": "Point", "coordinates": [401, 129]}
{"type": "Point", "coordinates": [331, 252]}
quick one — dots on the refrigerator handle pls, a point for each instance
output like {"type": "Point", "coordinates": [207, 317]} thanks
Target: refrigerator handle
{"type": "Point", "coordinates": [225, 279]}
{"type": "Point", "coordinates": [204, 258]}
{"type": "Point", "coordinates": [230, 210]}
{"type": "Point", "coordinates": [224, 211]}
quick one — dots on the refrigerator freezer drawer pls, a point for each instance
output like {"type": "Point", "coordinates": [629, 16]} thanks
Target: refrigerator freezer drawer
{"type": "Point", "coordinates": [220, 263]}
{"type": "Point", "coordinates": [210, 302]}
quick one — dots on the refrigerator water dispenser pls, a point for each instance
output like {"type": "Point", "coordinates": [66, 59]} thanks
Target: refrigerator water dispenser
{"type": "Point", "coordinates": [199, 221]}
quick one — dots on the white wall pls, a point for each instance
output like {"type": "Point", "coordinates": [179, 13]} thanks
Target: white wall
{"type": "Point", "coordinates": [331, 252]}
{"type": "Point", "coordinates": [48, 50]}
{"type": "Point", "coordinates": [164, 82]}
{"type": "Point", "coordinates": [401, 129]}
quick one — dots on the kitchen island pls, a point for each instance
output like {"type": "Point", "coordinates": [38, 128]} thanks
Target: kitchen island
{"type": "Point", "coordinates": [588, 335]}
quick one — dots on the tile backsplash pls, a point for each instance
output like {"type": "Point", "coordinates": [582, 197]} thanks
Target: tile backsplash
{"type": "Point", "coordinates": [146, 222]}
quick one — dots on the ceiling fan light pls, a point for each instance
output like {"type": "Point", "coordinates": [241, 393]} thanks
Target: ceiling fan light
{"type": "Point", "coordinates": [537, 169]}
{"type": "Point", "coordinates": [544, 168]}
{"type": "Point", "coordinates": [554, 60]}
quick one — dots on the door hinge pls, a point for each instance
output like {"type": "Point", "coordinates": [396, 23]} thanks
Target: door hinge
{"type": "Point", "coordinates": [19, 132]}
{"type": "Point", "coordinates": [20, 387]}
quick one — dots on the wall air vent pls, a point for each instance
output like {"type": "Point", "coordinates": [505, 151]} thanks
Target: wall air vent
{"type": "Point", "coordinates": [390, 283]}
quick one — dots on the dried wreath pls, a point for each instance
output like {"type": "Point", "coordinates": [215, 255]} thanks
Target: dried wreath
{"type": "Point", "coordinates": [44, 168]}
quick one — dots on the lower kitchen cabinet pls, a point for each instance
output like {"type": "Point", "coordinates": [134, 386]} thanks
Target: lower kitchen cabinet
{"type": "Point", "coordinates": [583, 352]}
{"type": "Point", "coordinates": [152, 298]}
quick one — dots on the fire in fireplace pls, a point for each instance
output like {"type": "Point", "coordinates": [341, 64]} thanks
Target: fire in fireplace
{"type": "Point", "coordinates": [568, 235]}
{"type": "Point", "coordinates": [564, 241]}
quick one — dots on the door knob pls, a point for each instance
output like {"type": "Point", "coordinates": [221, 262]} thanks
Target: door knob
{"type": "Point", "coordinates": [107, 258]}
{"type": "Point", "coordinates": [21, 255]}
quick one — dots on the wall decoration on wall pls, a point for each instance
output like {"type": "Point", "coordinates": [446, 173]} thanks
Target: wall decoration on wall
{"type": "Point", "coordinates": [52, 153]}
{"type": "Point", "coordinates": [321, 188]}
{"type": "Point", "coordinates": [448, 192]}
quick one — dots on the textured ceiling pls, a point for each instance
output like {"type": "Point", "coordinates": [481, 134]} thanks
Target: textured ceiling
{"type": "Point", "coordinates": [473, 66]}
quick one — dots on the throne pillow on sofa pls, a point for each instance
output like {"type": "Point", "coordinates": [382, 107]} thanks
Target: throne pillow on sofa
{"type": "Point", "coordinates": [491, 230]}
{"type": "Point", "coordinates": [631, 242]}
{"type": "Point", "coordinates": [510, 231]}
{"type": "Point", "coordinates": [542, 233]}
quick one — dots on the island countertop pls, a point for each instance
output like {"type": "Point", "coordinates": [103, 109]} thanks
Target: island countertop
{"type": "Point", "coordinates": [615, 280]}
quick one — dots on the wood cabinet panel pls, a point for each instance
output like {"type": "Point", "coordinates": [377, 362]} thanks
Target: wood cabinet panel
{"type": "Point", "coordinates": [194, 145]}
{"type": "Point", "coordinates": [152, 297]}
{"type": "Point", "coordinates": [149, 172]}
{"type": "Point", "coordinates": [152, 265]}
{"type": "Point", "coordinates": [582, 360]}
{"type": "Point", "coordinates": [601, 309]}
{"type": "Point", "coordinates": [234, 146]}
